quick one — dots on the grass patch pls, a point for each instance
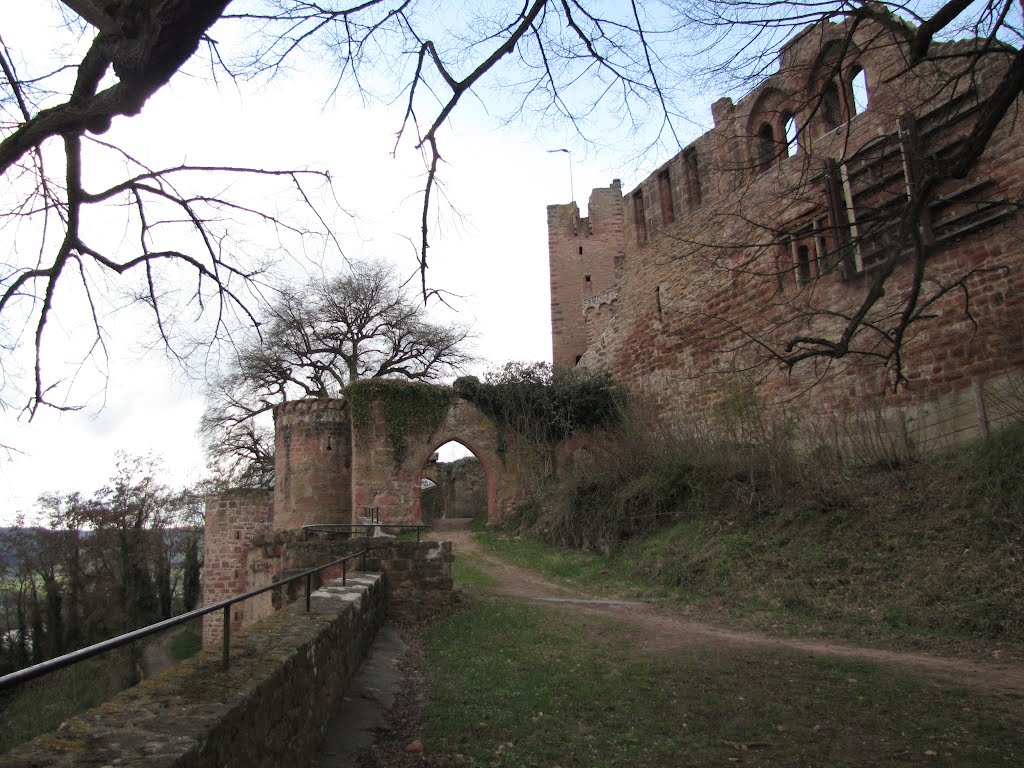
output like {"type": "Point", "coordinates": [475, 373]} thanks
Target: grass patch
{"type": "Point", "coordinates": [185, 645]}
{"type": "Point", "coordinates": [924, 554]}
{"type": "Point", "coordinates": [587, 570]}
{"type": "Point", "coordinates": [518, 685]}
{"type": "Point", "coordinates": [465, 574]}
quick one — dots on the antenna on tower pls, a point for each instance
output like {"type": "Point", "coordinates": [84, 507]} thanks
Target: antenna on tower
{"type": "Point", "coordinates": [572, 191]}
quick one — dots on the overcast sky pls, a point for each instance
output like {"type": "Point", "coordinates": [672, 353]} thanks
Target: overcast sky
{"type": "Point", "coordinates": [491, 256]}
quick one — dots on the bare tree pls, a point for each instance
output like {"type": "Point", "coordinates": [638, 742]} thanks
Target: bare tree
{"type": "Point", "coordinates": [807, 197]}
{"type": "Point", "coordinates": [316, 339]}
{"type": "Point", "coordinates": [567, 60]}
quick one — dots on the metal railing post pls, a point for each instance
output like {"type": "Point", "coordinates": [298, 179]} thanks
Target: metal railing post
{"type": "Point", "coordinates": [309, 589]}
{"type": "Point", "coordinates": [226, 645]}
{"type": "Point", "coordinates": [364, 560]}
{"type": "Point", "coordinates": [344, 573]}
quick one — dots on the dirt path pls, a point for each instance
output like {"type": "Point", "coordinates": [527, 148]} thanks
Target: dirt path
{"type": "Point", "coordinates": [663, 634]}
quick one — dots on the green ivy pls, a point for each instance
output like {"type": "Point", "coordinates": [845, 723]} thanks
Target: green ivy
{"type": "Point", "coordinates": [545, 404]}
{"type": "Point", "coordinates": [409, 409]}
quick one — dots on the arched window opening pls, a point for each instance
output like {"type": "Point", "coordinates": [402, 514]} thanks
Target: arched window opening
{"type": "Point", "coordinates": [831, 110]}
{"type": "Point", "coordinates": [457, 484]}
{"type": "Point", "coordinates": [859, 86]}
{"type": "Point", "coordinates": [765, 147]}
{"type": "Point", "coordinates": [792, 135]}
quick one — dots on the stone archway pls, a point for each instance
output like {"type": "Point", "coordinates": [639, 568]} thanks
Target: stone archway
{"type": "Point", "coordinates": [448, 484]}
{"type": "Point", "coordinates": [394, 488]}
{"type": "Point", "coordinates": [453, 486]}
{"type": "Point", "coordinates": [334, 458]}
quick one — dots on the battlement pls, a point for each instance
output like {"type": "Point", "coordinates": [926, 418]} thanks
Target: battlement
{"type": "Point", "coordinates": [774, 224]}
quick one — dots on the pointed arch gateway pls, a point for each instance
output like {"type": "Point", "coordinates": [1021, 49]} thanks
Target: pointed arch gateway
{"type": "Point", "coordinates": [392, 483]}
{"type": "Point", "coordinates": [455, 492]}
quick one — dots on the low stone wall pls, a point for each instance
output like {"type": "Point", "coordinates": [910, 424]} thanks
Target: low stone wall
{"type": "Point", "coordinates": [269, 709]}
{"type": "Point", "coordinates": [418, 574]}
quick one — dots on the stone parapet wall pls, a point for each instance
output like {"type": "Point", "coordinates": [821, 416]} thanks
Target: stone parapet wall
{"type": "Point", "coordinates": [418, 575]}
{"type": "Point", "coordinates": [270, 708]}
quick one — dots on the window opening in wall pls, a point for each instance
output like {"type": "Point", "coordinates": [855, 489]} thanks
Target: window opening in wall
{"type": "Point", "coordinates": [668, 211]}
{"type": "Point", "coordinates": [859, 85]}
{"type": "Point", "coordinates": [824, 251]}
{"type": "Point", "coordinates": [657, 300]}
{"type": "Point", "coordinates": [586, 281]}
{"type": "Point", "coordinates": [831, 110]}
{"type": "Point", "coordinates": [693, 195]}
{"type": "Point", "coordinates": [581, 250]}
{"type": "Point", "coordinates": [803, 263]}
{"type": "Point", "coordinates": [765, 147]}
{"type": "Point", "coordinates": [792, 135]}
{"type": "Point", "coordinates": [578, 358]}
{"type": "Point", "coordinates": [639, 219]}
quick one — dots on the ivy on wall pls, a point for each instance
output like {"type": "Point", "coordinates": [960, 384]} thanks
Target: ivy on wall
{"type": "Point", "coordinates": [409, 410]}
{"type": "Point", "coordinates": [545, 404]}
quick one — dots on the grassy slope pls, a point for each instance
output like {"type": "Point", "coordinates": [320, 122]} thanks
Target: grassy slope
{"type": "Point", "coordinates": [928, 555]}
{"type": "Point", "coordinates": [522, 685]}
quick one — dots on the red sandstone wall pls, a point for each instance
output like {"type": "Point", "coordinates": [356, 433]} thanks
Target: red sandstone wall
{"type": "Point", "coordinates": [377, 481]}
{"type": "Point", "coordinates": [312, 462]}
{"type": "Point", "coordinates": [234, 519]}
{"type": "Point", "coordinates": [694, 289]}
{"type": "Point", "coordinates": [584, 256]}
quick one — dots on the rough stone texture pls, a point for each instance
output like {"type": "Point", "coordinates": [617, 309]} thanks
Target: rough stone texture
{"type": "Point", "coordinates": [417, 573]}
{"type": "Point", "coordinates": [312, 463]}
{"type": "Point", "coordinates": [418, 576]}
{"type": "Point", "coordinates": [460, 490]}
{"type": "Point", "coordinates": [269, 709]}
{"type": "Point", "coordinates": [694, 271]}
{"type": "Point", "coordinates": [234, 521]}
{"type": "Point", "coordinates": [585, 254]}
{"type": "Point", "coordinates": [394, 489]}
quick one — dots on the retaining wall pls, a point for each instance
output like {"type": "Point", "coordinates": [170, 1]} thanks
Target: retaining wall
{"type": "Point", "coordinates": [270, 709]}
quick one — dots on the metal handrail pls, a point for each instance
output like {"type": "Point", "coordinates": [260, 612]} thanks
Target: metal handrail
{"type": "Point", "coordinates": [68, 659]}
{"type": "Point", "coordinates": [351, 527]}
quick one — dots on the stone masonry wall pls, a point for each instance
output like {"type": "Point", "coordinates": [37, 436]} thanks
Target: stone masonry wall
{"type": "Point", "coordinates": [377, 481]}
{"type": "Point", "coordinates": [709, 271]}
{"type": "Point", "coordinates": [312, 463]}
{"type": "Point", "coordinates": [460, 489]}
{"type": "Point", "coordinates": [585, 254]}
{"type": "Point", "coordinates": [417, 573]}
{"type": "Point", "coordinates": [234, 521]}
{"type": "Point", "coordinates": [270, 709]}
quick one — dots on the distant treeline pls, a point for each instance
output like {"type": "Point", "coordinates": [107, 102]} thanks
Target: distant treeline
{"type": "Point", "coordinates": [124, 557]}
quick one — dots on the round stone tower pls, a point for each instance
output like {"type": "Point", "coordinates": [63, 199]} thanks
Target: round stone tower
{"type": "Point", "coordinates": [312, 463]}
